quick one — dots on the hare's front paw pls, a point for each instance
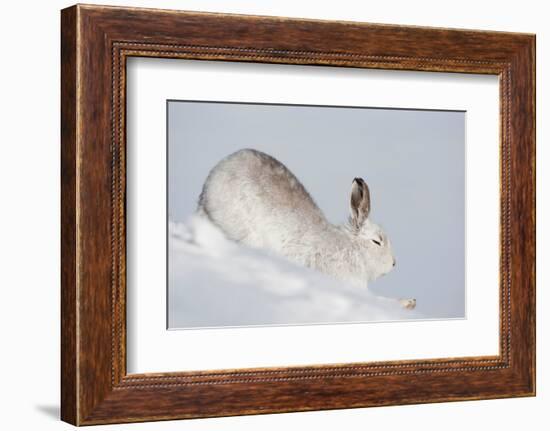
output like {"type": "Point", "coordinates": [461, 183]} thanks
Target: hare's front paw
{"type": "Point", "coordinates": [409, 304]}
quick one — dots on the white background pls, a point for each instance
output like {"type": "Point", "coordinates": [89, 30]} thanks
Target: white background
{"type": "Point", "coordinates": [29, 169]}
{"type": "Point", "coordinates": [152, 349]}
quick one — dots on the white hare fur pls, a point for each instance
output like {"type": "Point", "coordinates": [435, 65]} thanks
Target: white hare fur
{"type": "Point", "coordinates": [255, 200]}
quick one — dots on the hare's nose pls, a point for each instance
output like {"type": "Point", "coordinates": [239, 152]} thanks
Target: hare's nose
{"type": "Point", "coordinates": [393, 264]}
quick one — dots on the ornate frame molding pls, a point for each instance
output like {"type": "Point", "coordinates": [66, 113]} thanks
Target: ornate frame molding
{"type": "Point", "coordinates": [96, 41]}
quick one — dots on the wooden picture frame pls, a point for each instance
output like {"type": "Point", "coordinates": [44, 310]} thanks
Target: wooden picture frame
{"type": "Point", "coordinates": [95, 43]}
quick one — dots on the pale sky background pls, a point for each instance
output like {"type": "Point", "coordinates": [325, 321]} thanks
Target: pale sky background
{"type": "Point", "coordinates": [412, 160]}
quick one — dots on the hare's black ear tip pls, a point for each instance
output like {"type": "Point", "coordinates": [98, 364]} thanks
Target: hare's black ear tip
{"type": "Point", "coordinates": [358, 180]}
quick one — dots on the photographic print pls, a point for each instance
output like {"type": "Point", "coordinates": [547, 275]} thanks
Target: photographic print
{"type": "Point", "coordinates": [299, 214]}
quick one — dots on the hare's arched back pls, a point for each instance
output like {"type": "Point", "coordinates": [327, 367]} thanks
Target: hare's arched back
{"type": "Point", "coordinates": [250, 196]}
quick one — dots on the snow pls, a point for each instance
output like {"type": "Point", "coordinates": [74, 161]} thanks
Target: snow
{"type": "Point", "coordinates": [216, 282]}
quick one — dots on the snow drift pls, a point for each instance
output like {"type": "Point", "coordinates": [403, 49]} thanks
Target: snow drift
{"type": "Point", "coordinates": [215, 282]}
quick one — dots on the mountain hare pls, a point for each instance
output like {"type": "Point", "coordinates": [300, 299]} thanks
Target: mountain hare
{"type": "Point", "coordinates": [255, 200]}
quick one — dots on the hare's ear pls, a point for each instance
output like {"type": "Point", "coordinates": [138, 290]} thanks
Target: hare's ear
{"type": "Point", "coordinates": [360, 202]}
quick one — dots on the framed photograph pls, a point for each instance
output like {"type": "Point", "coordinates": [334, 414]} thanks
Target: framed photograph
{"type": "Point", "coordinates": [264, 214]}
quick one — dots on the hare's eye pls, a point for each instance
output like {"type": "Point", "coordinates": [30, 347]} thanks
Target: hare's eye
{"type": "Point", "coordinates": [376, 242]}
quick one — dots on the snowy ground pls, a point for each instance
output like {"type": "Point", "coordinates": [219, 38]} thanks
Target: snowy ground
{"type": "Point", "coordinates": [215, 282]}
